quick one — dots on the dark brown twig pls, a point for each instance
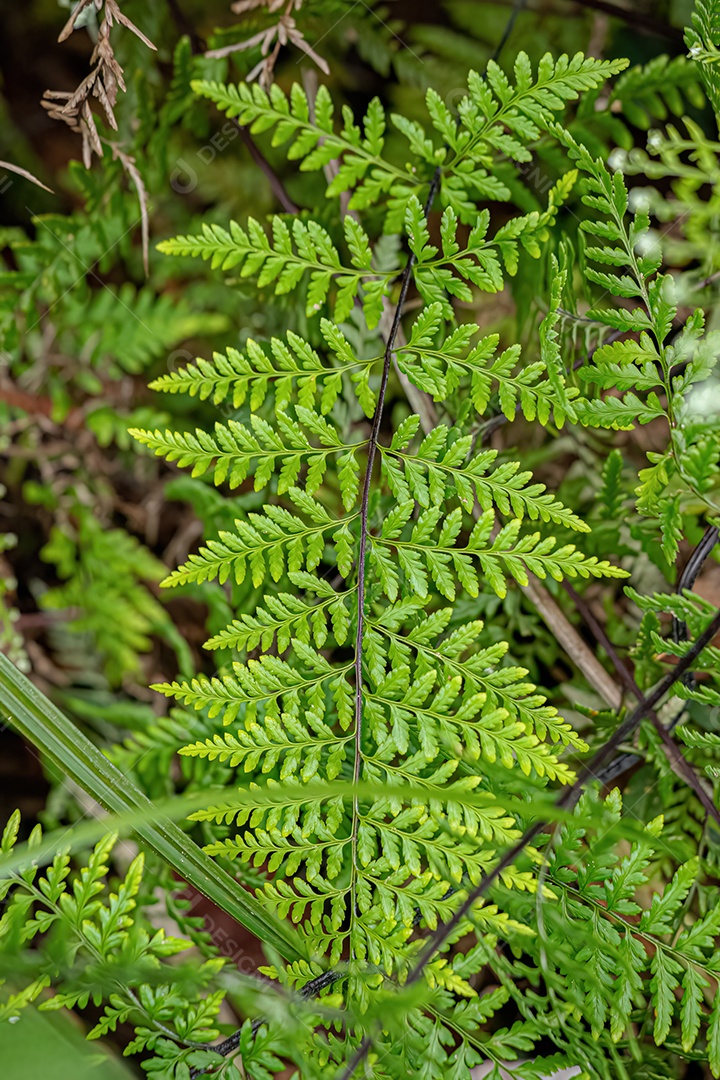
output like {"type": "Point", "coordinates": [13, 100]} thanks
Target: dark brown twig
{"type": "Point", "coordinates": [186, 28]}
{"type": "Point", "coordinates": [276, 185]}
{"type": "Point", "coordinates": [691, 572]}
{"type": "Point", "coordinates": [646, 24]}
{"type": "Point", "coordinates": [601, 637]}
{"type": "Point", "coordinates": [682, 767]}
{"type": "Point", "coordinates": [308, 991]}
{"type": "Point", "coordinates": [624, 762]}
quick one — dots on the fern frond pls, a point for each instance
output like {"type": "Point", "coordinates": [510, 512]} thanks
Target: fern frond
{"type": "Point", "coordinates": [267, 682]}
{"type": "Point", "coordinates": [440, 369]}
{"type": "Point", "coordinates": [446, 465]}
{"type": "Point", "coordinates": [499, 115]}
{"type": "Point", "coordinates": [314, 142]}
{"type": "Point", "coordinates": [649, 365]}
{"type": "Point", "coordinates": [703, 41]}
{"type": "Point", "coordinates": [290, 255]}
{"type": "Point", "coordinates": [270, 542]}
{"type": "Point", "coordinates": [235, 451]}
{"type": "Point", "coordinates": [292, 369]}
{"type": "Point", "coordinates": [301, 749]}
{"type": "Point", "coordinates": [422, 559]}
{"type": "Point", "coordinates": [286, 616]}
{"type": "Point", "coordinates": [647, 94]}
{"type": "Point", "coordinates": [379, 681]}
{"type": "Point", "coordinates": [96, 935]}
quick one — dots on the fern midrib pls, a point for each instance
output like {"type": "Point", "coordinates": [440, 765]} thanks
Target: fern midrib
{"type": "Point", "coordinates": [466, 857]}
{"type": "Point", "coordinates": [198, 246]}
{"type": "Point", "coordinates": [500, 736]}
{"type": "Point", "coordinates": [311, 452]}
{"type": "Point", "coordinates": [512, 103]}
{"type": "Point", "coordinates": [503, 553]}
{"type": "Point", "coordinates": [227, 753]}
{"type": "Point", "coordinates": [476, 140]}
{"type": "Point", "coordinates": [365, 533]}
{"type": "Point", "coordinates": [189, 381]}
{"type": "Point", "coordinates": [332, 269]}
{"type": "Point", "coordinates": [514, 380]}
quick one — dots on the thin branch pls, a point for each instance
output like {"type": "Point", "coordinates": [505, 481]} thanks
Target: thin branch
{"type": "Point", "coordinates": [198, 44]}
{"type": "Point", "coordinates": [646, 24]}
{"type": "Point", "coordinates": [682, 767]}
{"type": "Point", "coordinates": [691, 572]}
{"type": "Point", "coordinates": [708, 280]}
{"type": "Point", "coordinates": [565, 801]}
{"type": "Point", "coordinates": [601, 637]}
{"type": "Point", "coordinates": [308, 991]}
{"type": "Point", "coordinates": [276, 184]}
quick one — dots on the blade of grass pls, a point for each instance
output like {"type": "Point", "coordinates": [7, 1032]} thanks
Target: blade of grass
{"type": "Point", "coordinates": [40, 722]}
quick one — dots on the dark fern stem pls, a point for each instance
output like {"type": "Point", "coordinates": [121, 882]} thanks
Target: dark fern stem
{"type": "Point", "coordinates": [364, 506]}
{"type": "Point", "coordinates": [690, 573]}
{"type": "Point", "coordinates": [599, 768]}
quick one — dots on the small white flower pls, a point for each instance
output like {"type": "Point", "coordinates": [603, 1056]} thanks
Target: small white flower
{"type": "Point", "coordinates": [646, 242]}
{"type": "Point", "coordinates": [704, 400]}
{"type": "Point", "coordinates": [617, 160]}
{"type": "Point", "coordinates": [655, 140]}
{"type": "Point", "coordinates": [638, 199]}
{"type": "Point", "coordinates": [696, 51]}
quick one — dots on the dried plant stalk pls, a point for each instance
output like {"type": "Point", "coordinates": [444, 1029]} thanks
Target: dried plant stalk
{"type": "Point", "coordinates": [103, 82]}
{"type": "Point", "coordinates": [283, 32]}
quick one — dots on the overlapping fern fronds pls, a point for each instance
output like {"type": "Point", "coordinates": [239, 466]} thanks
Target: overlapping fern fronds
{"type": "Point", "coordinates": [366, 672]}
